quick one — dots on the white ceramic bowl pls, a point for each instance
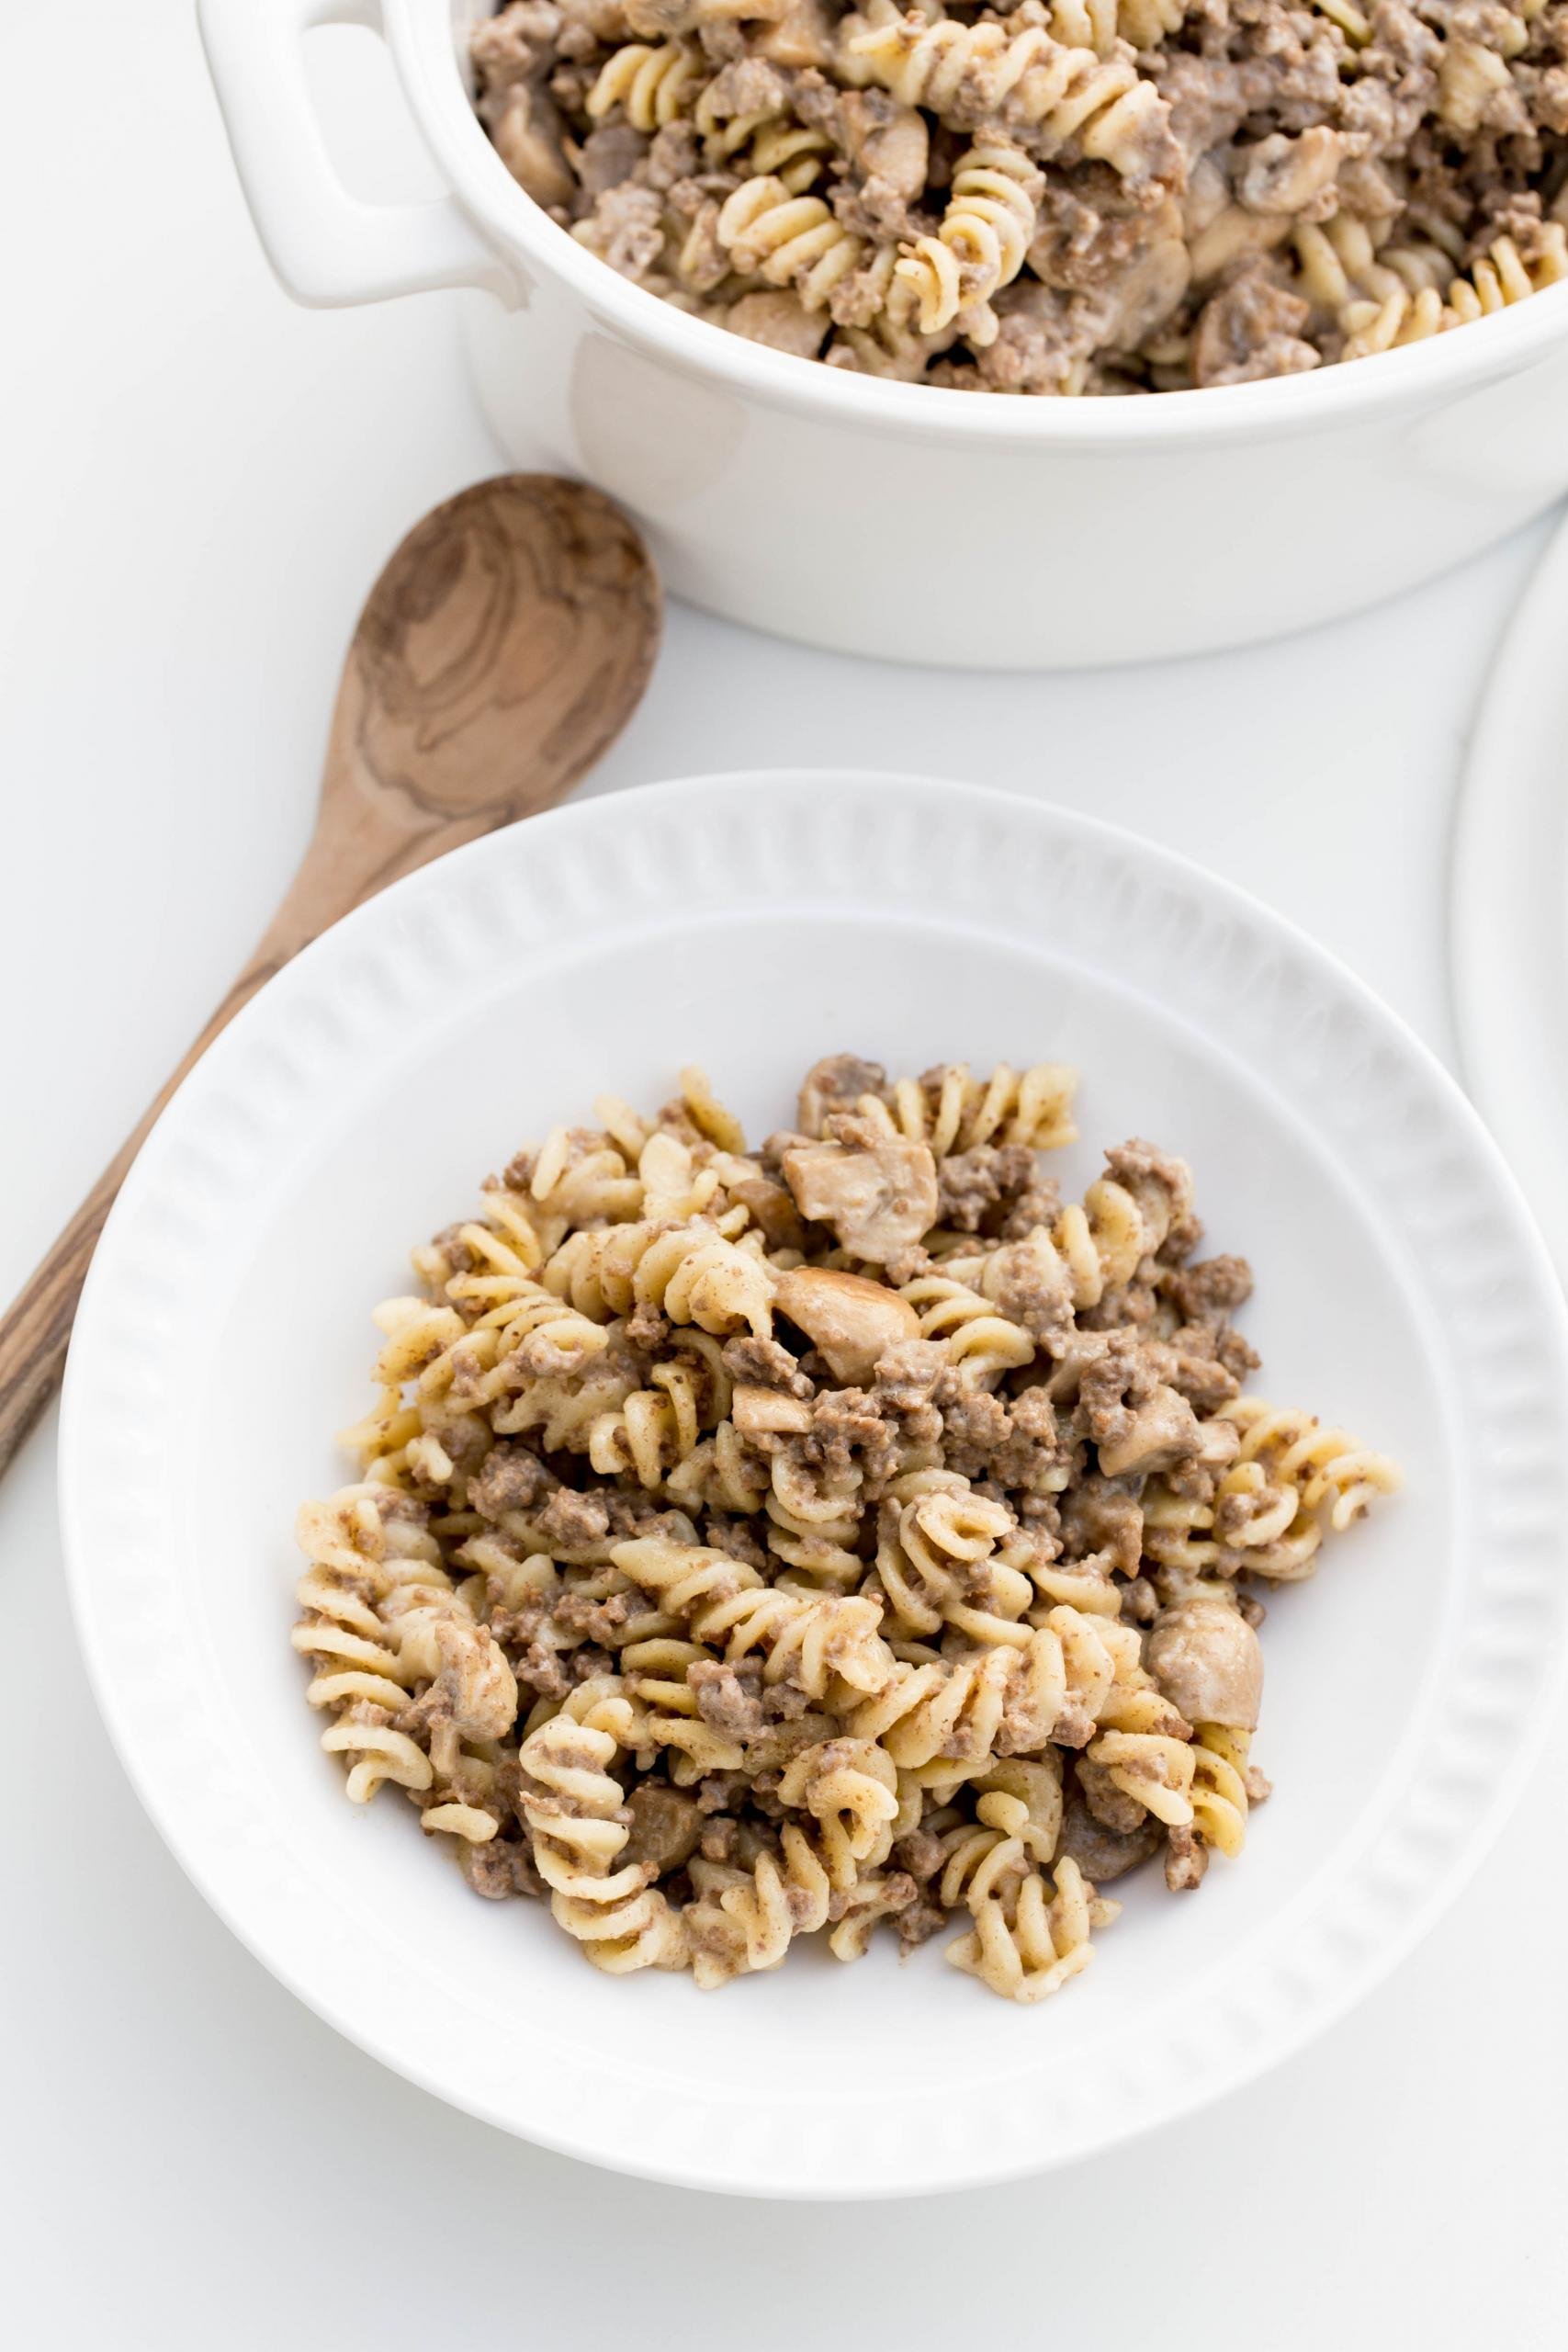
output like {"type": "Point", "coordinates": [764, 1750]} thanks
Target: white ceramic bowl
{"type": "Point", "coordinates": [755, 922]}
{"type": "Point", "coordinates": [893, 518]}
{"type": "Point", "coordinates": [1508, 900]}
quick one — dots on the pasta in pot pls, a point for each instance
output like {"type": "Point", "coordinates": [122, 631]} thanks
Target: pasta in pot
{"type": "Point", "coordinates": [751, 1545]}
{"type": "Point", "coordinates": [1060, 198]}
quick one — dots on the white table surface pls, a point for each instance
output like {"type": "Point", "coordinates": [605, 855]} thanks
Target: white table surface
{"type": "Point", "coordinates": [198, 484]}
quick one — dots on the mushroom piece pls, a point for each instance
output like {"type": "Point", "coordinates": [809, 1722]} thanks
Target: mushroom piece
{"type": "Point", "coordinates": [527, 135]}
{"type": "Point", "coordinates": [1111, 1805]}
{"type": "Point", "coordinates": [1207, 1661]}
{"type": "Point", "coordinates": [650, 19]}
{"type": "Point", "coordinates": [472, 1688]}
{"type": "Point", "coordinates": [852, 1322]}
{"type": "Point", "coordinates": [665, 1827]}
{"type": "Point", "coordinates": [799, 34]}
{"type": "Point", "coordinates": [1293, 175]}
{"type": "Point", "coordinates": [1163, 1430]}
{"type": "Point", "coordinates": [836, 1083]}
{"type": "Point", "coordinates": [878, 1201]}
{"type": "Point", "coordinates": [887, 142]}
{"type": "Point", "coordinates": [768, 1412]}
{"type": "Point", "coordinates": [770, 1206]}
{"type": "Point", "coordinates": [1100, 1853]}
{"type": "Point", "coordinates": [779, 320]}
{"type": "Point", "coordinates": [1156, 276]}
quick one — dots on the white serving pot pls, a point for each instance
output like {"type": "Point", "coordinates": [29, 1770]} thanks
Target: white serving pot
{"type": "Point", "coordinates": [894, 519]}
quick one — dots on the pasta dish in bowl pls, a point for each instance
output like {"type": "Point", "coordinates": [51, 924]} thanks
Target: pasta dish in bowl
{"type": "Point", "coordinates": [752, 1546]}
{"type": "Point", "coordinates": [1079, 196]}
{"type": "Point", "coordinates": [701, 1601]}
{"type": "Point", "coordinates": [860, 310]}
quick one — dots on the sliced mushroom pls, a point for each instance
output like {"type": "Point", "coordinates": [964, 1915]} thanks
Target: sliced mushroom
{"type": "Point", "coordinates": [878, 1201]}
{"type": "Point", "coordinates": [800, 36]}
{"type": "Point", "coordinates": [768, 1412]}
{"type": "Point", "coordinates": [1206, 1659]}
{"type": "Point", "coordinates": [836, 1083]}
{"type": "Point", "coordinates": [1293, 175]}
{"type": "Point", "coordinates": [475, 1680]}
{"type": "Point", "coordinates": [666, 1826]}
{"type": "Point", "coordinates": [527, 136]}
{"type": "Point", "coordinates": [770, 1206]}
{"type": "Point", "coordinates": [780, 321]}
{"type": "Point", "coordinates": [1111, 1805]}
{"type": "Point", "coordinates": [1100, 1853]}
{"type": "Point", "coordinates": [655, 19]}
{"type": "Point", "coordinates": [1163, 1430]}
{"type": "Point", "coordinates": [1154, 281]}
{"type": "Point", "coordinates": [852, 1322]}
{"type": "Point", "coordinates": [887, 141]}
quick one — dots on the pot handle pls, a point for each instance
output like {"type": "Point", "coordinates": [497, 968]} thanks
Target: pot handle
{"type": "Point", "coordinates": [328, 247]}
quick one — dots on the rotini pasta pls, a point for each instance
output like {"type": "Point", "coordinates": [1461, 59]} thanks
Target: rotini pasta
{"type": "Point", "coordinates": [1028, 1947]}
{"type": "Point", "coordinates": [573, 1808]}
{"type": "Point", "coordinates": [1409, 313]}
{"type": "Point", "coordinates": [981, 245]}
{"type": "Point", "coordinates": [813, 1638]}
{"type": "Point", "coordinates": [787, 239]}
{"type": "Point", "coordinates": [936, 1561]}
{"type": "Point", "coordinates": [769, 142]}
{"type": "Point", "coordinates": [1026, 82]}
{"type": "Point", "coordinates": [1328, 1469]}
{"type": "Point", "coordinates": [694, 1273]}
{"type": "Point", "coordinates": [808, 1543]}
{"type": "Point", "coordinates": [659, 1426]}
{"type": "Point", "coordinates": [1099, 24]}
{"type": "Point", "coordinates": [980, 1344]}
{"type": "Point", "coordinates": [951, 1111]}
{"type": "Point", "coordinates": [650, 85]}
{"type": "Point", "coordinates": [744, 1922]}
{"type": "Point", "coordinates": [1217, 1791]}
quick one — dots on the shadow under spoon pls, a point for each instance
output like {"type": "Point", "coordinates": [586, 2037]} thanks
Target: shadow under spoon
{"type": "Point", "coordinates": [502, 650]}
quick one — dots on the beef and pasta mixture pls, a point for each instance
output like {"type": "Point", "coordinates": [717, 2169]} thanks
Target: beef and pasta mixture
{"type": "Point", "coordinates": [755, 1544]}
{"type": "Point", "coordinates": [1079, 196]}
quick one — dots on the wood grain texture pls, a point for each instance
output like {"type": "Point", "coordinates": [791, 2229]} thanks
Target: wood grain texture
{"type": "Point", "coordinates": [502, 650]}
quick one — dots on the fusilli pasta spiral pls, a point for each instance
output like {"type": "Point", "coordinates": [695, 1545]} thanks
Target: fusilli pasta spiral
{"type": "Point", "coordinates": [787, 239]}
{"type": "Point", "coordinates": [1326, 1466]}
{"type": "Point", "coordinates": [981, 1344]}
{"type": "Point", "coordinates": [1027, 1948]}
{"type": "Point", "coordinates": [813, 1638]}
{"type": "Point", "coordinates": [744, 1922]}
{"type": "Point", "coordinates": [1048, 96]}
{"type": "Point", "coordinates": [652, 85]}
{"type": "Point", "coordinates": [694, 1271]}
{"type": "Point", "coordinates": [575, 1813]}
{"type": "Point", "coordinates": [1410, 312]}
{"type": "Point", "coordinates": [952, 1111]}
{"type": "Point", "coordinates": [985, 236]}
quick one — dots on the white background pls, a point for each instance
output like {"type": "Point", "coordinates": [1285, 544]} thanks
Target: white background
{"type": "Point", "coordinates": [197, 484]}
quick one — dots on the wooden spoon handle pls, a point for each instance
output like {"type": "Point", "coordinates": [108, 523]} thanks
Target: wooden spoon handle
{"type": "Point", "coordinates": [365, 839]}
{"type": "Point", "coordinates": [36, 1327]}
{"type": "Point", "coordinates": [356, 851]}
{"type": "Point", "coordinates": [503, 647]}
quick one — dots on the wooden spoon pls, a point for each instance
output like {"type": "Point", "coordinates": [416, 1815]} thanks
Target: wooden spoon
{"type": "Point", "coordinates": [502, 650]}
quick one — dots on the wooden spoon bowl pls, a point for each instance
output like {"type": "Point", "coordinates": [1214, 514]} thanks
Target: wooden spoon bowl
{"type": "Point", "coordinates": [502, 650]}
